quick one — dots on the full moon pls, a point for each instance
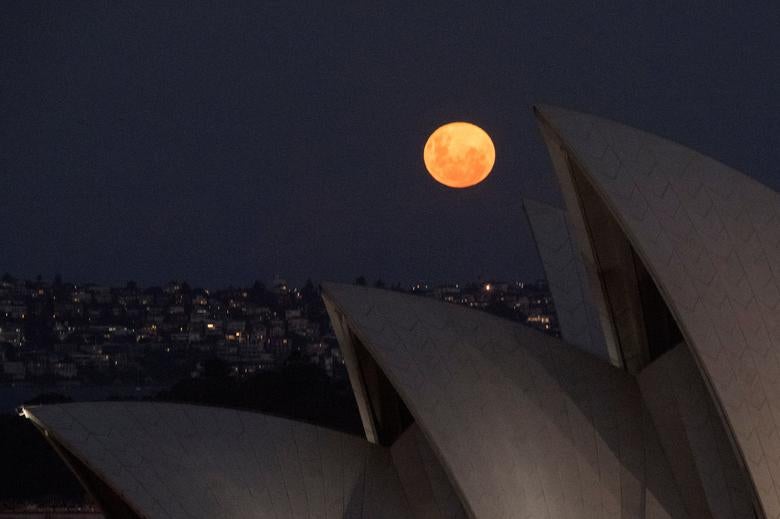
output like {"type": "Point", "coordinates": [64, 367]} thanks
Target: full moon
{"type": "Point", "coordinates": [459, 155]}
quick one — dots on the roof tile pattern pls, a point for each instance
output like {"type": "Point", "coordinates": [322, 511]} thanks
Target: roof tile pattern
{"type": "Point", "coordinates": [184, 461]}
{"type": "Point", "coordinates": [702, 459]}
{"type": "Point", "coordinates": [525, 425]}
{"type": "Point", "coordinates": [428, 488]}
{"type": "Point", "coordinates": [710, 237]}
{"type": "Point", "coordinates": [577, 314]}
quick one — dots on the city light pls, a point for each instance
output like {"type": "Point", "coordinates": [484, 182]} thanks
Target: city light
{"type": "Point", "coordinates": [93, 337]}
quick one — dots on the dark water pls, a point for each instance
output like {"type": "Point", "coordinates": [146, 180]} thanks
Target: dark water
{"type": "Point", "coordinates": [14, 395]}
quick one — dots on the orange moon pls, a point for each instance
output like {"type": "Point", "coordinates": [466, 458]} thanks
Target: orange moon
{"type": "Point", "coordinates": [459, 154]}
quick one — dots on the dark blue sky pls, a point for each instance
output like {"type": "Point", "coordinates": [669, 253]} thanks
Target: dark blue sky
{"type": "Point", "coordinates": [221, 142]}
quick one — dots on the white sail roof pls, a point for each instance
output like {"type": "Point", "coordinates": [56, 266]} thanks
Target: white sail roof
{"type": "Point", "coordinates": [567, 278]}
{"type": "Point", "coordinates": [174, 460]}
{"type": "Point", "coordinates": [525, 425]}
{"type": "Point", "coordinates": [710, 238]}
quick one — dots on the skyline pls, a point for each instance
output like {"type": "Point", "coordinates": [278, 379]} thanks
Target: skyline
{"type": "Point", "coordinates": [225, 145]}
{"type": "Point", "coordinates": [415, 284]}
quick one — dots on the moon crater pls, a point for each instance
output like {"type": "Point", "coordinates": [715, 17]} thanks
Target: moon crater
{"type": "Point", "coordinates": [459, 154]}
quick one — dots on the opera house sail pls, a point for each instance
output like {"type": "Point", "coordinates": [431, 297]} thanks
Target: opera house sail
{"type": "Point", "coordinates": [687, 253]}
{"type": "Point", "coordinates": [142, 459]}
{"type": "Point", "coordinates": [523, 424]}
{"type": "Point", "coordinates": [661, 400]}
{"type": "Point", "coordinates": [569, 281]}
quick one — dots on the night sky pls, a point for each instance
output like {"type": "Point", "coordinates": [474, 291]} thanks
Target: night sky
{"type": "Point", "coordinates": [223, 142]}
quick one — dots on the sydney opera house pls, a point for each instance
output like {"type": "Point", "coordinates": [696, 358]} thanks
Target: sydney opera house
{"type": "Point", "coordinates": [661, 400]}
